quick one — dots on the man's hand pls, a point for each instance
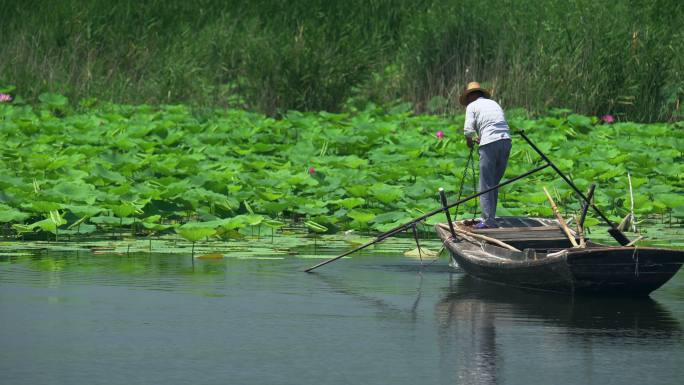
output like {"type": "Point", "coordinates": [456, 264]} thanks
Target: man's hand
{"type": "Point", "coordinates": [470, 141]}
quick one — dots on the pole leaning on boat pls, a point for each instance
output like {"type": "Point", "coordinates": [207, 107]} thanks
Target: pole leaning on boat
{"type": "Point", "coordinates": [443, 200]}
{"type": "Point", "coordinates": [613, 231]}
{"type": "Point", "coordinates": [407, 225]}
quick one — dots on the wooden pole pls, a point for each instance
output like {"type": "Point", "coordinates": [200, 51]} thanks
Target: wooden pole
{"type": "Point", "coordinates": [580, 233]}
{"type": "Point", "coordinates": [405, 226]}
{"type": "Point", "coordinates": [443, 199]}
{"type": "Point", "coordinates": [486, 238]}
{"type": "Point", "coordinates": [585, 206]}
{"type": "Point", "coordinates": [561, 221]}
{"type": "Point", "coordinates": [631, 205]}
{"type": "Point", "coordinates": [583, 216]}
{"type": "Point", "coordinates": [636, 240]}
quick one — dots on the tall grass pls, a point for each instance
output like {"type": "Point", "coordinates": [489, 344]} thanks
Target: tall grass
{"type": "Point", "coordinates": [623, 57]}
{"type": "Point", "coordinates": [619, 57]}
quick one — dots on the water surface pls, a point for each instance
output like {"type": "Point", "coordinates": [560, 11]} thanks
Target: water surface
{"type": "Point", "coordinates": [379, 318]}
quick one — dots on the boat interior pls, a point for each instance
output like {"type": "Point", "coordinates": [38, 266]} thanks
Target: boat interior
{"type": "Point", "coordinates": [532, 237]}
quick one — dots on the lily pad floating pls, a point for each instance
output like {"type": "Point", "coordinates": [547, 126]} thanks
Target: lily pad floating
{"type": "Point", "coordinates": [210, 256]}
{"type": "Point", "coordinates": [424, 252]}
{"type": "Point", "coordinates": [257, 258]}
{"type": "Point", "coordinates": [317, 256]}
{"type": "Point", "coordinates": [15, 254]}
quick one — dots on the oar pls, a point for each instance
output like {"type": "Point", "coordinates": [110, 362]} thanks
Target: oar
{"type": "Point", "coordinates": [408, 225]}
{"type": "Point", "coordinates": [613, 231]}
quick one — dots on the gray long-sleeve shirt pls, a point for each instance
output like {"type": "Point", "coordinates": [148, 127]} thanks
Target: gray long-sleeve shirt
{"type": "Point", "coordinates": [485, 118]}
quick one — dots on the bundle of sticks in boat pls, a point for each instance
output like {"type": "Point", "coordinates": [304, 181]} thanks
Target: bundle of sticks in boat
{"type": "Point", "coordinates": [579, 221]}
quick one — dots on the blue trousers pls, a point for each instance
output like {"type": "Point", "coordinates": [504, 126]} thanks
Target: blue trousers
{"type": "Point", "coordinates": [493, 161]}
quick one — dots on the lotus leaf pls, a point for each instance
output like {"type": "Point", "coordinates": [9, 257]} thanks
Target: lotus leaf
{"type": "Point", "coordinates": [195, 231]}
{"type": "Point", "coordinates": [53, 100]}
{"type": "Point", "coordinates": [312, 209]}
{"type": "Point", "coordinates": [392, 216]}
{"type": "Point", "coordinates": [272, 223]}
{"type": "Point", "coordinates": [362, 216]}
{"type": "Point", "coordinates": [42, 206]}
{"type": "Point", "coordinates": [74, 192]}
{"type": "Point", "coordinates": [386, 193]}
{"type": "Point", "coordinates": [672, 200]}
{"type": "Point", "coordinates": [107, 175]}
{"type": "Point", "coordinates": [349, 203]}
{"type": "Point", "coordinates": [254, 219]}
{"type": "Point", "coordinates": [49, 224]}
{"type": "Point", "coordinates": [22, 229]}
{"type": "Point", "coordinates": [274, 208]}
{"type": "Point", "coordinates": [8, 214]}
{"type": "Point", "coordinates": [109, 220]}
{"type": "Point", "coordinates": [580, 123]}
{"type": "Point", "coordinates": [86, 229]}
{"type": "Point", "coordinates": [10, 181]}
{"type": "Point", "coordinates": [234, 223]}
{"type": "Point", "coordinates": [315, 227]}
{"type": "Point", "coordinates": [126, 209]}
{"type": "Point", "coordinates": [157, 226]}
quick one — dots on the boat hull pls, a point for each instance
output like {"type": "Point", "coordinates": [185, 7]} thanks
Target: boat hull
{"type": "Point", "coordinates": [624, 271]}
{"type": "Point", "coordinates": [599, 271]}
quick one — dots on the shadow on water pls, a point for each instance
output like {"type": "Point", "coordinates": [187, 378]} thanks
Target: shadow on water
{"type": "Point", "coordinates": [472, 312]}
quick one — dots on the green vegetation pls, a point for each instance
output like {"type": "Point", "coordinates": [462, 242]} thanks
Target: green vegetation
{"type": "Point", "coordinates": [146, 170]}
{"type": "Point", "coordinates": [622, 57]}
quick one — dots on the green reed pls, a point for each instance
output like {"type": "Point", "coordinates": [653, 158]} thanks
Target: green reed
{"type": "Point", "coordinates": [621, 57]}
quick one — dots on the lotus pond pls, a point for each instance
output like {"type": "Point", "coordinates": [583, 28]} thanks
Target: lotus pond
{"type": "Point", "coordinates": [143, 171]}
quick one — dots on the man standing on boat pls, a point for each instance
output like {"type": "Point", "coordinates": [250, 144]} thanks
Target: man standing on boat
{"type": "Point", "coordinates": [486, 125]}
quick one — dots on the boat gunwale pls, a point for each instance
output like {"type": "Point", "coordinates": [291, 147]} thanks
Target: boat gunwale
{"type": "Point", "coordinates": [501, 256]}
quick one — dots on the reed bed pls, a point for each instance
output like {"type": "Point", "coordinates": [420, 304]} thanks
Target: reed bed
{"type": "Point", "coordinates": [622, 57]}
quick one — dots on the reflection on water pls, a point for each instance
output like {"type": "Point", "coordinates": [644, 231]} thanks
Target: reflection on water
{"type": "Point", "coordinates": [470, 311]}
{"type": "Point", "coordinates": [642, 318]}
{"type": "Point", "coordinates": [384, 307]}
{"type": "Point", "coordinates": [467, 332]}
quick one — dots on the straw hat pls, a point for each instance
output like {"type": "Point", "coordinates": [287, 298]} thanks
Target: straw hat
{"type": "Point", "coordinates": [472, 87]}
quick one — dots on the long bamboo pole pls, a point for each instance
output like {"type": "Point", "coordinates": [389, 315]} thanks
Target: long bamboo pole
{"type": "Point", "coordinates": [585, 206]}
{"type": "Point", "coordinates": [561, 221]}
{"type": "Point", "coordinates": [486, 238]}
{"type": "Point", "coordinates": [405, 226]}
{"type": "Point", "coordinates": [583, 216]}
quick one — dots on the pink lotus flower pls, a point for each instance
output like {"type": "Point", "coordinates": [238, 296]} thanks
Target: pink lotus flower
{"type": "Point", "coordinates": [311, 170]}
{"type": "Point", "coordinates": [608, 119]}
{"type": "Point", "coordinates": [5, 98]}
{"type": "Point", "coordinates": [440, 134]}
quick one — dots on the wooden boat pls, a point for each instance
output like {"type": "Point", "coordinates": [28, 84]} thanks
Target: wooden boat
{"type": "Point", "coordinates": [535, 253]}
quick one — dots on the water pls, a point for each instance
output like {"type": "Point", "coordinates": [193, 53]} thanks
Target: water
{"type": "Point", "coordinates": [380, 318]}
